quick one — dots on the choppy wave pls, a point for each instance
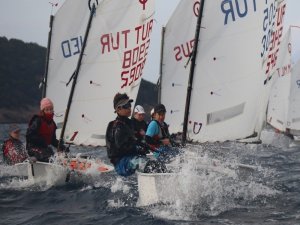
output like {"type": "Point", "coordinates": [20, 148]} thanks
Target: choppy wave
{"type": "Point", "coordinates": [220, 183]}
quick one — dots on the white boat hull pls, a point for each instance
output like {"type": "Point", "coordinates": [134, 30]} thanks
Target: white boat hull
{"type": "Point", "coordinates": [152, 188]}
{"type": "Point", "coordinates": [165, 188]}
{"type": "Point", "coordinates": [42, 172]}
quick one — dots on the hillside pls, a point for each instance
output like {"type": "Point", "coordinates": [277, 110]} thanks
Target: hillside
{"type": "Point", "coordinates": [21, 71]}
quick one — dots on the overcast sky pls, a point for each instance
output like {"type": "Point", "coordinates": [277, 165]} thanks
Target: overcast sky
{"type": "Point", "coordinates": [28, 20]}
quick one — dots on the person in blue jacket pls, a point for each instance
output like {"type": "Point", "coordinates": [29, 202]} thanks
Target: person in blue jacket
{"type": "Point", "coordinates": [158, 136]}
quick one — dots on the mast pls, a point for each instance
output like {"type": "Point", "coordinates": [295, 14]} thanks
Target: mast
{"type": "Point", "coordinates": [76, 74]}
{"type": "Point", "coordinates": [44, 81]}
{"type": "Point", "coordinates": [191, 76]}
{"type": "Point", "coordinates": [163, 30]}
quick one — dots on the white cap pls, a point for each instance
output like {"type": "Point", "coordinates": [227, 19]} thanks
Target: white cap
{"type": "Point", "coordinates": [139, 109]}
{"type": "Point", "coordinates": [152, 112]}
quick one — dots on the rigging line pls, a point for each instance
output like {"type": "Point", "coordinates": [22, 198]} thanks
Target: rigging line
{"type": "Point", "coordinates": [189, 59]}
{"type": "Point", "coordinates": [67, 84]}
{"type": "Point", "coordinates": [146, 18]}
{"type": "Point", "coordinates": [294, 26]}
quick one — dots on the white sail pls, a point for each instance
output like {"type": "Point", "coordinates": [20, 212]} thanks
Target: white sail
{"type": "Point", "coordinates": [293, 121]}
{"type": "Point", "coordinates": [68, 30]}
{"type": "Point", "coordinates": [277, 114]}
{"type": "Point", "coordinates": [178, 45]}
{"type": "Point", "coordinates": [113, 61]}
{"type": "Point", "coordinates": [234, 62]}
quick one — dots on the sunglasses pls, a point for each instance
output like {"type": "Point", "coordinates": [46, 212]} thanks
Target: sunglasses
{"type": "Point", "coordinates": [126, 106]}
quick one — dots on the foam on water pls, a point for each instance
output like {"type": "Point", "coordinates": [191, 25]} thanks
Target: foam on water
{"type": "Point", "coordinates": [11, 180]}
{"type": "Point", "coordinates": [208, 186]}
{"type": "Point", "coordinates": [120, 185]}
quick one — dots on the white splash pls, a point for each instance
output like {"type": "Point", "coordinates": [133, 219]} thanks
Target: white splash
{"type": "Point", "coordinates": [208, 181]}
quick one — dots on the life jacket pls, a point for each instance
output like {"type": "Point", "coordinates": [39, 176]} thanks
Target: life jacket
{"type": "Point", "coordinates": [46, 130]}
{"type": "Point", "coordinates": [163, 133]}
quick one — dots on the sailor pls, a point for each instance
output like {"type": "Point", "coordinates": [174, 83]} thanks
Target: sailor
{"type": "Point", "coordinates": [13, 149]}
{"type": "Point", "coordinates": [40, 133]}
{"type": "Point", "coordinates": [139, 123]}
{"type": "Point", "coordinates": [158, 136]}
{"type": "Point", "coordinates": [123, 150]}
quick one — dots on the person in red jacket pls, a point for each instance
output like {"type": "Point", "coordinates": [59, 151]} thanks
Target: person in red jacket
{"type": "Point", "coordinates": [41, 135]}
{"type": "Point", "coordinates": [13, 149]}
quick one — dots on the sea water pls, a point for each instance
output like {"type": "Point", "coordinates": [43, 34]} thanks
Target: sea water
{"type": "Point", "coordinates": [222, 183]}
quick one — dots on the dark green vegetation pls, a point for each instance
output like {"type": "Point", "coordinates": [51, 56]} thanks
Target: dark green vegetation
{"type": "Point", "coordinates": [21, 71]}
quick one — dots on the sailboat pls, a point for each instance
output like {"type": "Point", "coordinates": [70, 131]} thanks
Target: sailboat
{"type": "Point", "coordinates": [228, 77]}
{"type": "Point", "coordinates": [294, 103]}
{"type": "Point", "coordinates": [115, 53]}
{"type": "Point", "coordinates": [283, 108]}
{"type": "Point", "coordinates": [94, 51]}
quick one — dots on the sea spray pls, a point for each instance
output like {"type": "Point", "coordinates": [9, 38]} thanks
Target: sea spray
{"type": "Point", "coordinates": [209, 183]}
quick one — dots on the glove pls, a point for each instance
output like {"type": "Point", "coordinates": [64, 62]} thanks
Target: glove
{"type": "Point", "coordinates": [141, 150]}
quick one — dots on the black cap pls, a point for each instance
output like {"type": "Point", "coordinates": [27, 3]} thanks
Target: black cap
{"type": "Point", "coordinates": [121, 99]}
{"type": "Point", "coordinates": [159, 108]}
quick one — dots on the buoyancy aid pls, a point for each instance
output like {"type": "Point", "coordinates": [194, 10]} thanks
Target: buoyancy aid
{"type": "Point", "coordinates": [163, 133]}
{"type": "Point", "coordinates": [164, 130]}
{"type": "Point", "coordinates": [47, 130]}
